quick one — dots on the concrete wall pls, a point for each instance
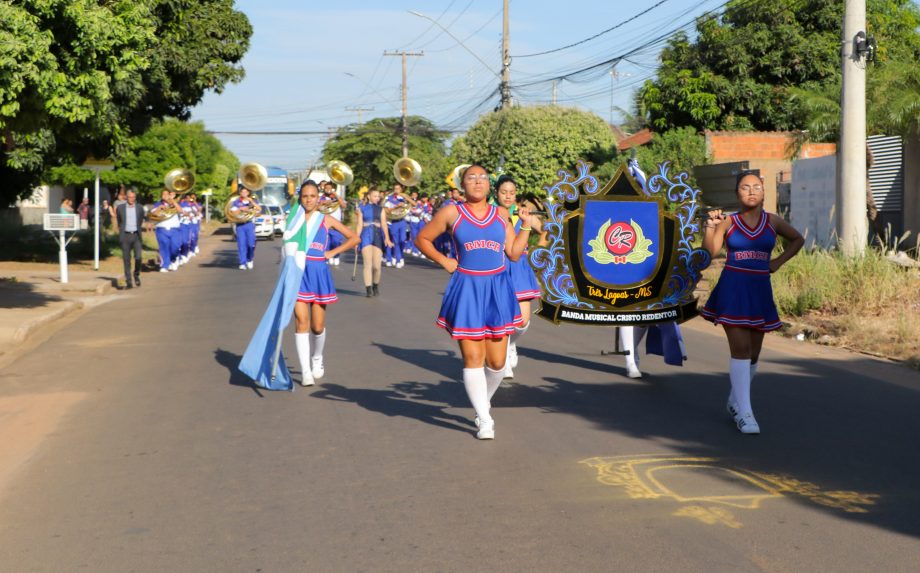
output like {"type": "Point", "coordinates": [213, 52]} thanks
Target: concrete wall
{"type": "Point", "coordinates": [812, 199]}
{"type": "Point", "coordinates": [767, 151]}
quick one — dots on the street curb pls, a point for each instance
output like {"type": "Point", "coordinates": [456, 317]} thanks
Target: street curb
{"type": "Point", "coordinates": [27, 329]}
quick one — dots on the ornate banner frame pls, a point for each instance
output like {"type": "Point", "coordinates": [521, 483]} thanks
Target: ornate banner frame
{"type": "Point", "coordinates": [570, 294]}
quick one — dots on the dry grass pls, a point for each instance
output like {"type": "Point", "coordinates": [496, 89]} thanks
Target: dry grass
{"type": "Point", "coordinates": [867, 304]}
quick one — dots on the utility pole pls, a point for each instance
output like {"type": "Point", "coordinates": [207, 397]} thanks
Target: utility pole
{"type": "Point", "coordinates": [359, 110]}
{"type": "Point", "coordinates": [852, 227]}
{"type": "Point", "coordinates": [615, 76]}
{"type": "Point", "coordinates": [506, 61]}
{"type": "Point", "coordinates": [405, 97]}
{"type": "Point", "coordinates": [554, 92]}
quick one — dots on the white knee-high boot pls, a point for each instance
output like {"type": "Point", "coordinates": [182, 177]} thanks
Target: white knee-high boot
{"type": "Point", "coordinates": [740, 374]}
{"type": "Point", "coordinates": [628, 344]}
{"type": "Point", "coordinates": [302, 342]}
{"type": "Point", "coordinates": [474, 380]}
{"type": "Point", "coordinates": [317, 344]}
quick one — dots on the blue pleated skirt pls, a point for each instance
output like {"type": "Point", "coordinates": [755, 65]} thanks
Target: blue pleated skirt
{"type": "Point", "coordinates": [523, 279]}
{"type": "Point", "coordinates": [742, 299]}
{"type": "Point", "coordinates": [476, 307]}
{"type": "Point", "coordinates": [317, 285]}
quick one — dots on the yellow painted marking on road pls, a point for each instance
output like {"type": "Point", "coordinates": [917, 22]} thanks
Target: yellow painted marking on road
{"type": "Point", "coordinates": [675, 477]}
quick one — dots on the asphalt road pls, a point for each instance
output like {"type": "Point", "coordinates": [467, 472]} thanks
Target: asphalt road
{"type": "Point", "coordinates": [131, 443]}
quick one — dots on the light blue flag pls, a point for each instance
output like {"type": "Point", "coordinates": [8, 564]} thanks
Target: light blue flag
{"type": "Point", "coordinates": [263, 360]}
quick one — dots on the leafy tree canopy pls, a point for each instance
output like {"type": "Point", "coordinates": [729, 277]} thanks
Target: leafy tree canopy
{"type": "Point", "coordinates": [535, 143]}
{"type": "Point", "coordinates": [371, 149]}
{"type": "Point", "coordinates": [81, 76]}
{"type": "Point", "coordinates": [741, 70]}
{"type": "Point", "coordinates": [147, 158]}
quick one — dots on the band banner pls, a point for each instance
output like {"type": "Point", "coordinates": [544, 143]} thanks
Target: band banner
{"type": "Point", "coordinates": [621, 254]}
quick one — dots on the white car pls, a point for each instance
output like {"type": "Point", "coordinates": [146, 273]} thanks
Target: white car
{"type": "Point", "coordinates": [264, 226]}
{"type": "Point", "coordinates": [278, 216]}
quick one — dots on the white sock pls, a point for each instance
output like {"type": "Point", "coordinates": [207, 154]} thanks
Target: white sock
{"type": "Point", "coordinates": [493, 381]}
{"type": "Point", "coordinates": [628, 344]}
{"type": "Point", "coordinates": [518, 332]}
{"type": "Point", "coordinates": [318, 343]}
{"type": "Point", "coordinates": [302, 342]}
{"type": "Point", "coordinates": [739, 370]}
{"type": "Point", "coordinates": [474, 380]}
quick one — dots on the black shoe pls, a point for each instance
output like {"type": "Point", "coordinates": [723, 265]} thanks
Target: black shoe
{"type": "Point", "coordinates": [376, 290]}
{"type": "Point", "coordinates": [369, 292]}
{"type": "Point", "coordinates": [137, 280]}
{"type": "Point", "coordinates": [128, 285]}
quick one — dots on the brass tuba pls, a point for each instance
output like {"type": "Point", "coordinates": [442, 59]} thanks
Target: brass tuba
{"type": "Point", "coordinates": [398, 211]}
{"type": "Point", "coordinates": [454, 179]}
{"type": "Point", "coordinates": [407, 171]}
{"type": "Point", "coordinates": [340, 174]}
{"type": "Point", "coordinates": [179, 181]}
{"type": "Point", "coordinates": [254, 177]}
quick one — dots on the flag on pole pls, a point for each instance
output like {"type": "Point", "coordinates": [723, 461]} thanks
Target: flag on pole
{"type": "Point", "coordinates": [263, 360]}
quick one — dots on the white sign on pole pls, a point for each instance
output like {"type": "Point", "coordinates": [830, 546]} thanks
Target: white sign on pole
{"type": "Point", "coordinates": [62, 222]}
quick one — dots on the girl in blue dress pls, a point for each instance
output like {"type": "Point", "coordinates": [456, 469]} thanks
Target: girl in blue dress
{"type": "Point", "coordinates": [742, 301]}
{"type": "Point", "coordinates": [479, 308]}
{"type": "Point", "coordinates": [372, 224]}
{"type": "Point", "coordinates": [523, 279]}
{"type": "Point", "coordinates": [317, 288]}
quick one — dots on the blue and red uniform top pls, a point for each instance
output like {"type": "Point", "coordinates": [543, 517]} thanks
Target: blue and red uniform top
{"type": "Point", "coordinates": [480, 243]}
{"type": "Point", "coordinates": [317, 249]}
{"type": "Point", "coordinates": [749, 250]}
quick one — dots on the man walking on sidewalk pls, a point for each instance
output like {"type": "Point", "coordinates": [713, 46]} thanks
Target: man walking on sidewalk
{"type": "Point", "coordinates": [130, 218]}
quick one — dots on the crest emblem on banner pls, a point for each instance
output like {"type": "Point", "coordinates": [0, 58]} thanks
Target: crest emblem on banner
{"type": "Point", "coordinates": [620, 254]}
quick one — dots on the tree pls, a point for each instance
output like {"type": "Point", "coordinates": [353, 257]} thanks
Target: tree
{"type": "Point", "coordinates": [535, 143]}
{"type": "Point", "coordinates": [165, 146]}
{"type": "Point", "coordinates": [371, 149]}
{"type": "Point", "coordinates": [81, 76]}
{"type": "Point", "coordinates": [742, 70]}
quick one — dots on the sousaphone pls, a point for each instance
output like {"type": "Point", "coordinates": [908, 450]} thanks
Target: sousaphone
{"type": "Point", "coordinates": [254, 177]}
{"type": "Point", "coordinates": [339, 173]}
{"type": "Point", "coordinates": [407, 171]}
{"type": "Point", "coordinates": [179, 181]}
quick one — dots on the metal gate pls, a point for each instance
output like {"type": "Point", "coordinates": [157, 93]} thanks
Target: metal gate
{"type": "Point", "coordinates": [887, 179]}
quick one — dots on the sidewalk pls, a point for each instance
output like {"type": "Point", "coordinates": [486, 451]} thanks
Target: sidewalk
{"type": "Point", "coordinates": [32, 297]}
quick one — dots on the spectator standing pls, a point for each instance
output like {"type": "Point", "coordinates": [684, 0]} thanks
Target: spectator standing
{"type": "Point", "coordinates": [130, 218]}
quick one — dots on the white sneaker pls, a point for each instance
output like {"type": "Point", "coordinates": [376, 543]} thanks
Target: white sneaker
{"type": "Point", "coordinates": [512, 354]}
{"type": "Point", "coordinates": [173, 266]}
{"type": "Point", "coordinates": [164, 270]}
{"type": "Point", "coordinates": [486, 430]}
{"type": "Point", "coordinates": [243, 267]}
{"type": "Point", "coordinates": [249, 265]}
{"type": "Point", "coordinates": [307, 380]}
{"type": "Point", "coordinates": [509, 372]}
{"type": "Point", "coordinates": [731, 407]}
{"type": "Point", "coordinates": [196, 250]}
{"type": "Point", "coordinates": [183, 260]}
{"type": "Point", "coordinates": [318, 369]}
{"type": "Point", "coordinates": [389, 264]}
{"type": "Point", "coordinates": [476, 421]}
{"type": "Point", "coordinates": [747, 424]}
{"type": "Point", "coordinates": [633, 371]}
{"type": "Point", "coordinates": [400, 264]}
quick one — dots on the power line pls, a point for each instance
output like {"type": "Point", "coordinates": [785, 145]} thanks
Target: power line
{"type": "Point", "coordinates": [598, 35]}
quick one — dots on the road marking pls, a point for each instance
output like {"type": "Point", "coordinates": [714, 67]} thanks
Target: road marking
{"type": "Point", "coordinates": [708, 490]}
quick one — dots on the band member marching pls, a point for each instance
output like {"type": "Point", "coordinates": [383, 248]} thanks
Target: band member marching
{"type": "Point", "coordinates": [245, 232]}
{"type": "Point", "coordinates": [398, 230]}
{"type": "Point", "coordinates": [196, 224]}
{"type": "Point", "coordinates": [317, 289]}
{"type": "Point", "coordinates": [372, 224]}
{"type": "Point", "coordinates": [186, 216]}
{"type": "Point", "coordinates": [479, 308]}
{"type": "Point", "coordinates": [522, 276]}
{"type": "Point", "coordinates": [742, 301]}
{"type": "Point", "coordinates": [419, 215]}
{"type": "Point", "coordinates": [164, 231]}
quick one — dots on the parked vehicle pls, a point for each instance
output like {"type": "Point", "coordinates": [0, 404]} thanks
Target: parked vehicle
{"type": "Point", "coordinates": [278, 217]}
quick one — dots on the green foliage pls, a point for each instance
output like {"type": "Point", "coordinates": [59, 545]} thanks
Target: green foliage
{"type": "Point", "coordinates": [371, 149]}
{"type": "Point", "coordinates": [684, 148]}
{"type": "Point", "coordinates": [750, 68]}
{"type": "Point", "coordinates": [79, 77]}
{"type": "Point", "coordinates": [147, 158]}
{"type": "Point", "coordinates": [535, 142]}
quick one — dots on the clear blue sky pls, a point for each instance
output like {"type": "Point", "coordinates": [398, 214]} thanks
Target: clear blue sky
{"type": "Point", "coordinates": [301, 53]}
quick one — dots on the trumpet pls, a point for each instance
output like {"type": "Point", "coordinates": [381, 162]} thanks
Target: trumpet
{"type": "Point", "coordinates": [253, 177]}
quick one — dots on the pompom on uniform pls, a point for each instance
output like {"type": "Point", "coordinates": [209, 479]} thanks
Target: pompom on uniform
{"type": "Point", "coordinates": [523, 278]}
{"type": "Point", "coordinates": [317, 285]}
{"type": "Point", "coordinates": [479, 301]}
{"type": "Point", "coordinates": [743, 296]}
